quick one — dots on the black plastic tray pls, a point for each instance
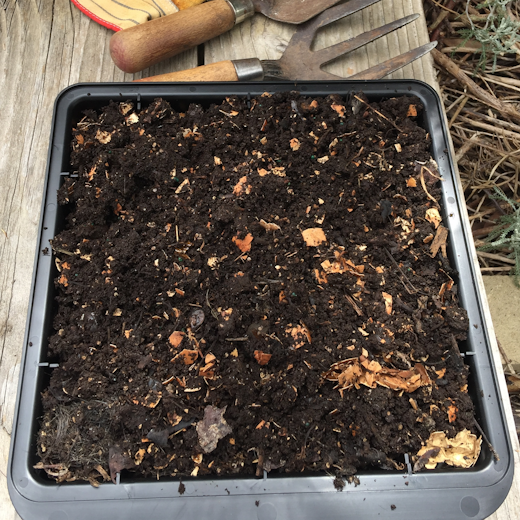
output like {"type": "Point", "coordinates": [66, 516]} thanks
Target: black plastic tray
{"type": "Point", "coordinates": [447, 493]}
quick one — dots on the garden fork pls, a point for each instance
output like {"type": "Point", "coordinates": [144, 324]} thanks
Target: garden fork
{"type": "Point", "coordinates": [299, 62]}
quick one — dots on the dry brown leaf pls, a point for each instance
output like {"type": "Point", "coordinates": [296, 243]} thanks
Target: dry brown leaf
{"type": "Point", "coordinates": [441, 372]}
{"type": "Point", "coordinates": [412, 111]}
{"type": "Point", "coordinates": [242, 187]}
{"type": "Point", "coordinates": [388, 302]}
{"type": "Point", "coordinates": [181, 186]}
{"type": "Point", "coordinates": [151, 400]}
{"type": "Point", "coordinates": [314, 236]}
{"type": "Point", "coordinates": [309, 106]}
{"type": "Point", "coordinates": [188, 357]}
{"type": "Point", "coordinates": [139, 456]}
{"type": "Point", "coordinates": [212, 428]}
{"type": "Point", "coordinates": [340, 265]}
{"type": "Point", "coordinates": [269, 226]}
{"type": "Point", "coordinates": [213, 262]}
{"type": "Point", "coordinates": [118, 461]}
{"type": "Point", "coordinates": [63, 280]}
{"type": "Point", "coordinates": [262, 358]}
{"type": "Point", "coordinates": [340, 109]}
{"type": "Point", "coordinates": [91, 173]}
{"type": "Point", "coordinates": [102, 472]}
{"type": "Point", "coordinates": [321, 277]}
{"type": "Point", "coordinates": [295, 144]}
{"type": "Point", "coordinates": [299, 334]}
{"type": "Point", "coordinates": [360, 371]}
{"type": "Point", "coordinates": [132, 119]}
{"type": "Point", "coordinates": [452, 412]}
{"type": "Point", "coordinates": [173, 418]}
{"type": "Point", "coordinates": [411, 183]}
{"type": "Point", "coordinates": [439, 242]}
{"type": "Point", "coordinates": [260, 425]}
{"type": "Point", "coordinates": [175, 338]}
{"type": "Point", "coordinates": [446, 286]}
{"type": "Point", "coordinates": [243, 244]}
{"type": "Point", "coordinates": [103, 137]}
{"type": "Point", "coordinates": [207, 371]}
{"type": "Point", "coordinates": [461, 451]}
{"type": "Point", "coordinates": [433, 216]}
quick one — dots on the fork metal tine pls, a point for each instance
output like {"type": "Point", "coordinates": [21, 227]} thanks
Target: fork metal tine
{"type": "Point", "coordinates": [328, 54]}
{"type": "Point", "coordinates": [306, 32]}
{"type": "Point", "coordinates": [393, 64]}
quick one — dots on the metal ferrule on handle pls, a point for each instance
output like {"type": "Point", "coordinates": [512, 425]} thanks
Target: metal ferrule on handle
{"type": "Point", "coordinates": [250, 69]}
{"type": "Point", "coordinates": [243, 9]}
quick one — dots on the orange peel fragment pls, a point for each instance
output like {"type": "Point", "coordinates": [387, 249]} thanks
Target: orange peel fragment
{"type": "Point", "coordinates": [314, 236]}
{"type": "Point", "coordinates": [243, 244]}
{"type": "Point", "coordinates": [176, 338]}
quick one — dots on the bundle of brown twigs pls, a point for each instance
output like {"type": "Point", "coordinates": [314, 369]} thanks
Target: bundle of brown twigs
{"type": "Point", "coordinates": [478, 59]}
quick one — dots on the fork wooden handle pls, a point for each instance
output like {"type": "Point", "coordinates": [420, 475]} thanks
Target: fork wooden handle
{"type": "Point", "coordinates": [144, 45]}
{"type": "Point", "coordinates": [250, 69]}
{"type": "Point", "coordinates": [220, 71]}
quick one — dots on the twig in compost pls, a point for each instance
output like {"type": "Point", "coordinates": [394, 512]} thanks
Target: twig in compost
{"type": "Point", "coordinates": [273, 336]}
{"type": "Point", "coordinates": [213, 311]}
{"type": "Point", "coordinates": [136, 326]}
{"type": "Point", "coordinates": [359, 312]}
{"type": "Point", "coordinates": [302, 452]}
{"type": "Point", "coordinates": [64, 251]}
{"type": "Point", "coordinates": [423, 184]}
{"type": "Point", "coordinates": [238, 339]}
{"type": "Point", "coordinates": [403, 277]}
{"type": "Point", "coordinates": [486, 440]}
{"type": "Point", "coordinates": [378, 113]}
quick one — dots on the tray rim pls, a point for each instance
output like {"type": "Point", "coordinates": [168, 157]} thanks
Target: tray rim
{"type": "Point", "coordinates": [490, 483]}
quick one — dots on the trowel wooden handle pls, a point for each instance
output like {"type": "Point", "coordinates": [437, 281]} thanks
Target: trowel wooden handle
{"type": "Point", "coordinates": [220, 71]}
{"type": "Point", "coordinates": [144, 45]}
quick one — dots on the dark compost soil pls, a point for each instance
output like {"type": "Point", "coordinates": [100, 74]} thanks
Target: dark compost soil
{"type": "Point", "coordinates": [217, 265]}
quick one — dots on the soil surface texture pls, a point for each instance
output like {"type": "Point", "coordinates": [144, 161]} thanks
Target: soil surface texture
{"type": "Point", "coordinates": [261, 285]}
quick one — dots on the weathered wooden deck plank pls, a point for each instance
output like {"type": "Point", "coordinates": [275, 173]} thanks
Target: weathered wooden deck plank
{"type": "Point", "coordinates": [46, 46]}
